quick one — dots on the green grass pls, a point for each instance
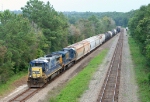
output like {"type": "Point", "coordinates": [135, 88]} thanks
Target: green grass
{"type": "Point", "coordinates": [7, 87]}
{"type": "Point", "coordinates": [76, 86]}
{"type": "Point", "coordinates": [141, 71]}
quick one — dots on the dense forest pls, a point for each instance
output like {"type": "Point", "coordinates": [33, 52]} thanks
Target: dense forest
{"type": "Point", "coordinates": [39, 29]}
{"type": "Point", "coordinates": [139, 26]}
{"type": "Point", "coordinates": [120, 18]}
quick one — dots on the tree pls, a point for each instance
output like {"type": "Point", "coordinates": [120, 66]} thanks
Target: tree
{"type": "Point", "coordinates": [18, 44]}
{"type": "Point", "coordinates": [53, 24]}
{"type": "Point", "coordinates": [74, 34]}
{"type": "Point", "coordinates": [139, 26]}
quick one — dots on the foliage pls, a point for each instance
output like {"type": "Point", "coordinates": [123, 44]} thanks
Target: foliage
{"type": "Point", "coordinates": [120, 18]}
{"type": "Point", "coordinates": [149, 78]}
{"type": "Point", "coordinates": [38, 30]}
{"type": "Point", "coordinates": [139, 26]}
{"type": "Point", "coordinates": [141, 71]}
{"type": "Point", "coordinates": [85, 28]}
{"type": "Point", "coordinates": [79, 84]}
{"type": "Point", "coordinates": [18, 44]}
{"type": "Point", "coordinates": [10, 84]}
{"type": "Point", "coordinates": [53, 24]}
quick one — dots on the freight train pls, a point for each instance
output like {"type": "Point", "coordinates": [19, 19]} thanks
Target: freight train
{"type": "Point", "coordinates": [42, 69]}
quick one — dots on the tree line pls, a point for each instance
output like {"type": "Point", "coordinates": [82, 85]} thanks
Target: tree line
{"type": "Point", "coordinates": [139, 26]}
{"type": "Point", "coordinates": [120, 18]}
{"type": "Point", "coordinates": [40, 30]}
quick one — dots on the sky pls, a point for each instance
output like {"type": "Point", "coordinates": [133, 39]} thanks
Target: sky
{"type": "Point", "coordinates": [81, 5]}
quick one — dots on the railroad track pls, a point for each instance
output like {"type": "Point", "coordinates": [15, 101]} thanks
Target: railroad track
{"type": "Point", "coordinates": [110, 89]}
{"type": "Point", "coordinates": [25, 95]}
{"type": "Point", "coordinates": [28, 93]}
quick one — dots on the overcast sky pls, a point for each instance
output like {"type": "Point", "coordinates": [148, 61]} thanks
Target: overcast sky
{"type": "Point", "coordinates": [81, 5]}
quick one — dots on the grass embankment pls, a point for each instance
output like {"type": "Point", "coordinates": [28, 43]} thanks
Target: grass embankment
{"type": "Point", "coordinates": [141, 71]}
{"type": "Point", "coordinates": [76, 86]}
{"type": "Point", "coordinates": [9, 85]}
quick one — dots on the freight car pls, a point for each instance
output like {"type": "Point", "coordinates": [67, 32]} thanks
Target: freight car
{"type": "Point", "coordinates": [42, 69]}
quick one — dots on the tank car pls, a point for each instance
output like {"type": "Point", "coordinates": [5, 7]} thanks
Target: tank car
{"type": "Point", "coordinates": [111, 34]}
{"type": "Point", "coordinates": [118, 29]}
{"type": "Point", "coordinates": [114, 32]}
{"type": "Point", "coordinates": [107, 36]}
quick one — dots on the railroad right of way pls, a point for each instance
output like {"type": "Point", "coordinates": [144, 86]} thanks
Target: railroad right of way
{"type": "Point", "coordinates": [110, 89]}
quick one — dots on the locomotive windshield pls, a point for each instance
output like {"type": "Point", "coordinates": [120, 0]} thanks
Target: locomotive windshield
{"type": "Point", "coordinates": [37, 64]}
{"type": "Point", "coordinates": [42, 65]}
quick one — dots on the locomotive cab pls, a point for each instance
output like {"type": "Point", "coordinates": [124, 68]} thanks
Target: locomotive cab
{"type": "Point", "coordinates": [37, 76]}
{"type": "Point", "coordinates": [42, 69]}
{"type": "Point", "coordinates": [36, 69]}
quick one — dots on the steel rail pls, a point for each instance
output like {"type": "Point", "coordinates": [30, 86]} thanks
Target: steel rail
{"type": "Point", "coordinates": [111, 72]}
{"type": "Point", "coordinates": [25, 95]}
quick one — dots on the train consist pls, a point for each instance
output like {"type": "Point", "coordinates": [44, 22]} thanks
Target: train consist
{"type": "Point", "coordinates": [42, 69]}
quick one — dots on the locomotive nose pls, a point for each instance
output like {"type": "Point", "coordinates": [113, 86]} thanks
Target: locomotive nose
{"type": "Point", "coordinates": [36, 72]}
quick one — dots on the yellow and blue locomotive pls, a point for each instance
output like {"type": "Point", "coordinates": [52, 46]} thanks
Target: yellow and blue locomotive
{"type": "Point", "coordinates": [42, 68]}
